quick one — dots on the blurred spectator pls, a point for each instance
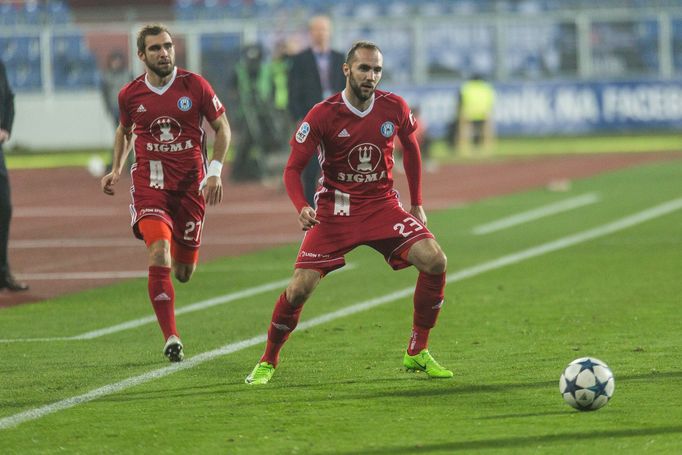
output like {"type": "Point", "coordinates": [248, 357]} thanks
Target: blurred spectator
{"type": "Point", "coordinates": [7, 281]}
{"type": "Point", "coordinates": [114, 77]}
{"type": "Point", "coordinates": [475, 115]}
{"type": "Point", "coordinates": [275, 89]}
{"type": "Point", "coordinates": [253, 90]}
{"type": "Point", "coordinates": [316, 74]}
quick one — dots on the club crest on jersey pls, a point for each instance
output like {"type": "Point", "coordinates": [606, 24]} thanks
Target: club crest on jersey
{"type": "Point", "coordinates": [302, 132]}
{"type": "Point", "coordinates": [184, 104]}
{"type": "Point", "coordinates": [387, 129]}
{"type": "Point", "coordinates": [165, 129]}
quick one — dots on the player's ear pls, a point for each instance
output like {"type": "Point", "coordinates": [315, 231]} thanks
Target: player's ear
{"type": "Point", "coordinates": [346, 69]}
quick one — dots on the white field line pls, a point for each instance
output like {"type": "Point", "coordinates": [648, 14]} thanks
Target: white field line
{"type": "Point", "coordinates": [89, 211]}
{"type": "Point", "coordinates": [115, 274]}
{"type": "Point", "coordinates": [109, 389]}
{"type": "Point", "coordinates": [198, 306]}
{"type": "Point", "coordinates": [254, 239]}
{"type": "Point", "coordinates": [540, 212]}
{"type": "Point", "coordinates": [82, 275]}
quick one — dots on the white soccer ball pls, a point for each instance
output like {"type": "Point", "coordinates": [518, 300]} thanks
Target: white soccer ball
{"type": "Point", "coordinates": [96, 166]}
{"type": "Point", "coordinates": [587, 384]}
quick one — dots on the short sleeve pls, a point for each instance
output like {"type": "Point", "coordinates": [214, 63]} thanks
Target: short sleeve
{"type": "Point", "coordinates": [211, 107]}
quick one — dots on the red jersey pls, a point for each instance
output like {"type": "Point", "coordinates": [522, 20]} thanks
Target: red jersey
{"type": "Point", "coordinates": [355, 148]}
{"type": "Point", "coordinates": [170, 149]}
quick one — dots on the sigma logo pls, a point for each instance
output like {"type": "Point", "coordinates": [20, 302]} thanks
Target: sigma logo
{"type": "Point", "coordinates": [165, 129]}
{"type": "Point", "coordinates": [302, 132]}
{"type": "Point", "coordinates": [364, 158]}
{"type": "Point", "coordinates": [387, 129]}
{"type": "Point", "coordinates": [184, 104]}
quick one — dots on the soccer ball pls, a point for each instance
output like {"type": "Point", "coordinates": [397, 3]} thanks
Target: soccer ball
{"type": "Point", "coordinates": [587, 384]}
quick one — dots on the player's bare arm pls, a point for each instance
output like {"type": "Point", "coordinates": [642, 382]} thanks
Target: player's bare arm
{"type": "Point", "coordinates": [122, 141]}
{"type": "Point", "coordinates": [212, 185]}
{"type": "Point", "coordinates": [307, 218]}
{"type": "Point", "coordinates": [417, 211]}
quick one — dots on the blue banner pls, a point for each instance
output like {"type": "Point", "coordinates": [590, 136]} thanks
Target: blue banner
{"type": "Point", "coordinates": [545, 108]}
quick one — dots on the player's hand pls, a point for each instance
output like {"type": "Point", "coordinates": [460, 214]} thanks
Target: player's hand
{"type": "Point", "coordinates": [212, 188]}
{"type": "Point", "coordinates": [417, 211]}
{"type": "Point", "coordinates": [108, 182]}
{"type": "Point", "coordinates": [307, 218]}
{"type": "Point", "coordinates": [4, 135]}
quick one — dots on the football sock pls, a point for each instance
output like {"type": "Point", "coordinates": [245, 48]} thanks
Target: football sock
{"type": "Point", "coordinates": [428, 299]}
{"type": "Point", "coordinates": [284, 320]}
{"type": "Point", "coordinates": [162, 296]}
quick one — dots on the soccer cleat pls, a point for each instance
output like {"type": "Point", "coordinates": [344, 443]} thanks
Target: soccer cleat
{"type": "Point", "coordinates": [426, 363]}
{"type": "Point", "coordinates": [261, 374]}
{"type": "Point", "coordinates": [173, 349]}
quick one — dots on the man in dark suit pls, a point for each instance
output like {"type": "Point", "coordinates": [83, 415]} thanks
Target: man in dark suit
{"type": "Point", "coordinates": [7, 281]}
{"type": "Point", "coordinates": [315, 74]}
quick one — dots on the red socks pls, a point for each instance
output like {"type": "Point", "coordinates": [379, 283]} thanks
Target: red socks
{"type": "Point", "coordinates": [428, 299]}
{"type": "Point", "coordinates": [162, 296]}
{"type": "Point", "coordinates": [284, 320]}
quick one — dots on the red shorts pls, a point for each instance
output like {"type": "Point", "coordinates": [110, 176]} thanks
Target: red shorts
{"type": "Point", "coordinates": [183, 211]}
{"type": "Point", "coordinates": [380, 224]}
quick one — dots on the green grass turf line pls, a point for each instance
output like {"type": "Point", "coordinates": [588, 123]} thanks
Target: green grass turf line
{"type": "Point", "coordinates": [563, 145]}
{"type": "Point", "coordinates": [507, 334]}
{"type": "Point", "coordinates": [522, 146]}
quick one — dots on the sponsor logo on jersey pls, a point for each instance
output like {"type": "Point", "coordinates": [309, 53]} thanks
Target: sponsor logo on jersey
{"type": "Point", "coordinates": [363, 159]}
{"type": "Point", "coordinates": [141, 108]}
{"type": "Point", "coordinates": [216, 103]}
{"type": "Point", "coordinates": [184, 104]}
{"type": "Point", "coordinates": [387, 129]}
{"type": "Point", "coordinates": [178, 147]}
{"type": "Point", "coordinates": [302, 132]}
{"type": "Point", "coordinates": [306, 254]}
{"type": "Point", "coordinates": [343, 133]}
{"type": "Point", "coordinates": [165, 129]}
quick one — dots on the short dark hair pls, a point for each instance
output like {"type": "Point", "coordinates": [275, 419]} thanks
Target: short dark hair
{"type": "Point", "coordinates": [149, 30]}
{"type": "Point", "coordinates": [350, 56]}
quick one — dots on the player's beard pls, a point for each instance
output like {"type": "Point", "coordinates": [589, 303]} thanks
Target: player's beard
{"type": "Point", "coordinates": [161, 71]}
{"type": "Point", "coordinates": [357, 89]}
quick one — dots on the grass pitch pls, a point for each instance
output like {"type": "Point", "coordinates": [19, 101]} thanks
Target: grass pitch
{"type": "Point", "coordinates": [507, 332]}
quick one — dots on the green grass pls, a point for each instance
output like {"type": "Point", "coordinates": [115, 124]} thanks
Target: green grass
{"type": "Point", "coordinates": [440, 149]}
{"type": "Point", "coordinates": [561, 145]}
{"type": "Point", "coordinates": [53, 159]}
{"type": "Point", "coordinates": [508, 333]}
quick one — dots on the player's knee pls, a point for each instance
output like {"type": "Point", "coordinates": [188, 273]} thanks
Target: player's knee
{"type": "Point", "coordinates": [159, 256]}
{"type": "Point", "coordinates": [183, 273]}
{"type": "Point", "coordinates": [298, 293]}
{"type": "Point", "coordinates": [437, 264]}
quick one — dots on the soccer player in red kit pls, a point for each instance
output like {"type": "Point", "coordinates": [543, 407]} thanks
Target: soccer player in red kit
{"type": "Point", "coordinates": [172, 183]}
{"type": "Point", "coordinates": [353, 133]}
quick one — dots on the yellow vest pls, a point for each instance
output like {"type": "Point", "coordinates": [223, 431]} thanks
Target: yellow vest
{"type": "Point", "coordinates": [477, 100]}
